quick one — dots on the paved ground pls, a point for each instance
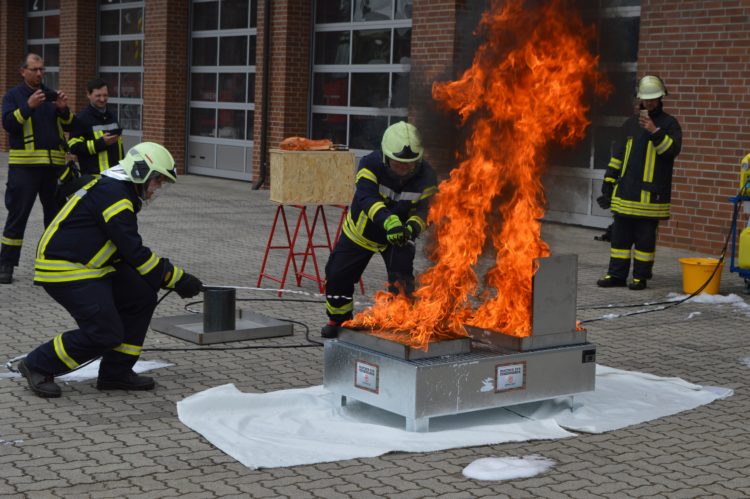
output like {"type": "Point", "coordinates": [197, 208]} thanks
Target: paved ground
{"type": "Point", "coordinates": [92, 444]}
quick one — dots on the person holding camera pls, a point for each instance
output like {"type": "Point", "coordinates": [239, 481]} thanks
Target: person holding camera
{"type": "Point", "coordinates": [638, 185]}
{"type": "Point", "coordinates": [95, 137]}
{"type": "Point", "coordinates": [35, 117]}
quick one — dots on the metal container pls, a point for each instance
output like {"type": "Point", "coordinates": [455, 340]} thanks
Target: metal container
{"type": "Point", "coordinates": [218, 309]}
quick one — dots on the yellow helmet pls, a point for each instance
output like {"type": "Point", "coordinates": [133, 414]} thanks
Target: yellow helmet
{"type": "Point", "coordinates": [147, 158]}
{"type": "Point", "coordinates": [402, 142]}
{"type": "Point", "coordinates": [651, 87]}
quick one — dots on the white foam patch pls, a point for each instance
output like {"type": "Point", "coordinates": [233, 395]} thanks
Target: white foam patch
{"type": "Point", "coordinates": [507, 468]}
{"type": "Point", "coordinates": [91, 371]}
{"type": "Point", "coordinates": [745, 361]}
{"type": "Point", "coordinates": [693, 314]}
{"type": "Point", "coordinates": [731, 298]}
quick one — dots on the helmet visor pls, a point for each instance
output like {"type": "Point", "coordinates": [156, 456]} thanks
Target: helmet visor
{"type": "Point", "coordinates": [405, 155]}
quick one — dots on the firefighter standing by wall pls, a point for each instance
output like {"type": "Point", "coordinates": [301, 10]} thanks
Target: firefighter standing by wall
{"type": "Point", "coordinates": [393, 189]}
{"type": "Point", "coordinates": [92, 261]}
{"type": "Point", "coordinates": [638, 186]}
{"type": "Point", "coordinates": [95, 136]}
{"type": "Point", "coordinates": [35, 117]}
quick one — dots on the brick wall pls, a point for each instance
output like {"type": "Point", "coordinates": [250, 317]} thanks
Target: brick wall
{"type": "Point", "coordinates": [166, 72]}
{"type": "Point", "coordinates": [289, 74]}
{"type": "Point", "coordinates": [702, 51]}
{"type": "Point", "coordinates": [78, 37]}
{"type": "Point", "coordinates": [12, 16]}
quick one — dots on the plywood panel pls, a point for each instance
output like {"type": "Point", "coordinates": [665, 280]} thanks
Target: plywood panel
{"type": "Point", "coordinates": [312, 177]}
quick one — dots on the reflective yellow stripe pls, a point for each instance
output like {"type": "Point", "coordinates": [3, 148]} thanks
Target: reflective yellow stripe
{"type": "Point", "coordinates": [354, 233]}
{"type": "Point", "coordinates": [66, 121]}
{"type": "Point", "coordinates": [339, 310]}
{"type": "Point", "coordinates": [620, 253]}
{"type": "Point", "coordinates": [18, 116]}
{"type": "Point", "coordinates": [427, 192]}
{"type": "Point", "coordinates": [177, 274]}
{"type": "Point", "coordinates": [102, 256]}
{"type": "Point", "coordinates": [35, 157]}
{"type": "Point", "coordinates": [664, 144]}
{"type": "Point", "coordinates": [376, 207]}
{"type": "Point", "coordinates": [70, 276]}
{"type": "Point", "coordinates": [615, 163]}
{"type": "Point", "coordinates": [74, 140]}
{"type": "Point", "coordinates": [644, 256]}
{"type": "Point", "coordinates": [62, 354]}
{"type": "Point", "coordinates": [420, 222]}
{"type": "Point", "coordinates": [12, 242]}
{"type": "Point", "coordinates": [121, 205]}
{"type": "Point", "coordinates": [148, 265]}
{"type": "Point", "coordinates": [636, 208]}
{"type": "Point", "coordinates": [133, 350]}
{"type": "Point", "coordinates": [365, 173]}
{"type": "Point", "coordinates": [57, 265]}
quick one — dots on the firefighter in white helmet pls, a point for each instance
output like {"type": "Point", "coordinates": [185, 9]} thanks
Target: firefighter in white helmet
{"type": "Point", "coordinates": [92, 261]}
{"type": "Point", "coordinates": [638, 184]}
{"type": "Point", "coordinates": [394, 186]}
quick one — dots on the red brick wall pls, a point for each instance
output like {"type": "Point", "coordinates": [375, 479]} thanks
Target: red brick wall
{"type": "Point", "coordinates": [77, 36]}
{"type": "Point", "coordinates": [289, 77]}
{"type": "Point", "coordinates": [702, 51]}
{"type": "Point", "coordinates": [12, 35]}
{"type": "Point", "coordinates": [165, 79]}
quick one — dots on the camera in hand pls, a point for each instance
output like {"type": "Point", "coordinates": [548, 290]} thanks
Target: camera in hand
{"type": "Point", "coordinates": [50, 95]}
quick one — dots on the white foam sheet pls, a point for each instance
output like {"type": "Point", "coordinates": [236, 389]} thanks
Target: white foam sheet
{"type": "Point", "coordinates": [91, 371]}
{"type": "Point", "coordinates": [305, 426]}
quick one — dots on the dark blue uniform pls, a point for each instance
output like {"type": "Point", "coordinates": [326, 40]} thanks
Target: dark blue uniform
{"type": "Point", "coordinates": [36, 158]}
{"type": "Point", "coordinates": [92, 261]}
{"type": "Point", "coordinates": [379, 194]}
{"type": "Point", "coordinates": [86, 142]}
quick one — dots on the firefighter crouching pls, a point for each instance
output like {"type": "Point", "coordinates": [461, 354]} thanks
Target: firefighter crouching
{"type": "Point", "coordinates": [92, 261]}
{"type": "Point", "coordinates": [393, 189]}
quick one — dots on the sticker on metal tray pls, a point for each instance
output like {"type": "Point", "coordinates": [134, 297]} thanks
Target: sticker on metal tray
{"type": "Point", "coordinates": [366, 376]}
{"type": "Point", "coordinates": [510, 377]}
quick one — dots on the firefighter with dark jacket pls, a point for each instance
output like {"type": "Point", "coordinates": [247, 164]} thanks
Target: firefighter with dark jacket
{"type": "Point", "coordinates": [35, 117]}
{"type": "Point", "coordinates": [389, 211]}
{"type": "Point", "coordinates": [92, 261]}
{"type": "Point", "coordinates": [638, 185]}
{"type": "Point", "coordinates": [95, 136]}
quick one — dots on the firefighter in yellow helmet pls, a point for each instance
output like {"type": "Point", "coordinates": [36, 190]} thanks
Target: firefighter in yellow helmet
{"type": "Point", "coordinates": [638, 185]}
{"type": "Point", "coordinates": [393, 189]}
{"type": "Point", "coordinates": [92, 261]}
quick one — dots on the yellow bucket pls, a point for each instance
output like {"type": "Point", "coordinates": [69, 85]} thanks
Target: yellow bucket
{"type": "Point", "coordinates": [696, 271]}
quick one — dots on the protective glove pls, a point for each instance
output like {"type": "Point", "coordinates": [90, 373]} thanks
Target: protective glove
{"type": "Point", "coordinates": [395, 231]}
{"type": "Point", "coordinates": [605, 200]}
{"type": "Point", "coordinates": [413, 229]}
{"type": "Point", "coordinates": [188, 286]}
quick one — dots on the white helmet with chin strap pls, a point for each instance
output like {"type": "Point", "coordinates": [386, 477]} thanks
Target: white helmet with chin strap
{"type": "Point", "coordinates": [651, 87]}
{"type": "Point", "coordinates": [146, 161]}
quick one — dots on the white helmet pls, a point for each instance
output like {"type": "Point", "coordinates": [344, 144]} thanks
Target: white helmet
{"type": "Point", "coordinates": [146, 159]}
{"type": "Point", "coordinates": [651, 87]}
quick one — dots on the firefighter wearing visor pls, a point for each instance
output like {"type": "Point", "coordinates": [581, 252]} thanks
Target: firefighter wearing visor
{"type": "Point", "coordinates": [638, 184]}
{"type": "Point", "coordinates": [389, 211]}
{"type": "Point", "coordinates": [92, 261]}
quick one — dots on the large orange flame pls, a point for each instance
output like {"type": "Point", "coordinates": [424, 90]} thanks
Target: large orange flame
{"type": "Point", "coordinates": [525, 88]}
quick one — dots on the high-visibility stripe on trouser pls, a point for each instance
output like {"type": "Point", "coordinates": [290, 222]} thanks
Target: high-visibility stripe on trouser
{"type": "Point", "coordinates": [344, 268]}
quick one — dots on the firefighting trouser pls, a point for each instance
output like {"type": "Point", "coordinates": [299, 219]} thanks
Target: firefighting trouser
{"type": "Point", "coordinates": [345, 266]}
{"type": "Point", "coordinates": [633, 238]}
{"type": "Point", "coordinates": [24, 184]}
{"type": "Point", "coordinates": [112, 314]}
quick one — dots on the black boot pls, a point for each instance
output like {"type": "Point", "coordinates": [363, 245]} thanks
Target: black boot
{"type": "Point", "coordinates": [637, 284]}
{"type": "Point", "coordinates": [6, 274]}
{"type": "Point", "coordinates": [330, 330]}
{"type": "Point", "coordinates": [131, 381]}
{"type": "Point", "coordinates": [609, 281]}
{"type": "Point", "coordinates": [41, 384]}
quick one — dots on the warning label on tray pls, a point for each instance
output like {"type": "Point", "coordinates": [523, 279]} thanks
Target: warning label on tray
{"type": "Point", "coordinates": [510, 377]}
{"type": "Point", "coordinates": [366, 376]}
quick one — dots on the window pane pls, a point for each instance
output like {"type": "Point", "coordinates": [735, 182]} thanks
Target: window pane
{"type": "Point", "coordinates": [372, 46]}
{"type": "Point", "coordinates": [110, 22]}
{"type": "Point", "coordinates": [130, 85]}
{"type": "Point", "coordinates": [604, 145]}
{"type": "Point", "coordinates": [234, 14]}
{"type": "Point", "coordinates": [333, 11]}
{"type": "Point", "coordinates": [51, 4]}
{"type": "Point", "coordinates": [233, 51]}
{"type": "Point", "coordinates": [618, 42]}
{"type": "Point", "coordinates": [370, 89]}
{"type": "Point", "coordinates": [232, 87]}
{"type": "Point", "coordinates": [330, 89]}
{"type": "Point", "coordinates": [400, 90]}
{"type": "Point", "coordinates": [112, 87]}
{"type": "Point", "coordinates": [402, 46]}
{"type": "Point", "coordinates": [251, 87]}
{"type": "Point", "coordinates": [202, 122]}
{"type": "Point", "coordinates": [332, 47]}
{"type": "Point", "coordinates": [403, 9]}
{"type": "Point", "coordinates": [37, 49]}
{"type": "Point", "coordinates": [231, 123]}
{"type": "Point", "coordinates": [250, 125]}
{"type": "Point", "coordinates": [329, 126]}
{"type": "Point", "coordinates": [130, 116]}
{"type": "Point", "coordinates": [109, 54]}
{"type": "Point", "coordinates": [367, 131]}
{"type": "Point", "coordinates": [36, 27]}
{"type": "Point", "coordinates": [132, 21]}
{"type": "Point", "coordinates": [130, 53]}
{"type": "Point", "coordinates": [251, 52]}
{"type": "Point", "coordinates": [204, 51]}
{"type": "Point", "coordinates": [52, 54]}
{"type": "Point", "coordinates": [372, 10]}
{"type": "Point", "coordinates": [52, 27]}
{"type": "Point", "coordinates": [52, 79]}
{"type": "Point", "coordinates": [203, 87]}
{"type": "Point", "coordinates": [620, 101]}
{"type": "Point", "coordinates": [254, 14]}
{"type": "Point", "coordinates": [577, 156]}
{"type": "Point", "coordinates": [205, 16]}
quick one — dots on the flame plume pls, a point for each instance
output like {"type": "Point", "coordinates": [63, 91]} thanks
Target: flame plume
{"type": "Point", "coordinates": [524, 89]}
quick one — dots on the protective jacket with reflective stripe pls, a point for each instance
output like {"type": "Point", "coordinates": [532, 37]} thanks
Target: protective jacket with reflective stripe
{"type": "Point", "coordinates": [86, 142]}
{"type": "Point", "coordinates": [379, 193]}
{"type": "Point", "coordinates": [35, 136]}
{"type": "Point", "coordinates": [96, 227]}
{"type": "Point", "coordinates": [641, 167]}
